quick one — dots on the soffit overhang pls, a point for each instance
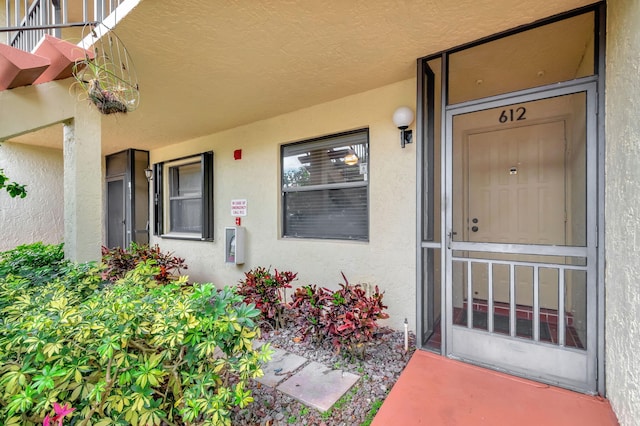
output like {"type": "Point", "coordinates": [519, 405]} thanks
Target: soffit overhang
{"type": "Point", "coordinates": [205, 66]}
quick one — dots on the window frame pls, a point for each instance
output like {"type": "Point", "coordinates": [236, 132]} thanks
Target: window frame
{"type": "Point", "coordinates": [162, 197]}
{"type": "Point", "coordinates": [346, 185]}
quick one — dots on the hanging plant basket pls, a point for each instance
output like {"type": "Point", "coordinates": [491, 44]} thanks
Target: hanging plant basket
{"type": "Point", "coordinates": [109, 80]}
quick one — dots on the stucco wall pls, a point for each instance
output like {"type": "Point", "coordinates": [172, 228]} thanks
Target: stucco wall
{"type": "Point", "coordinates": [623, 210]}
{"type": "Point", "coordinates": [387, 260]}
{"type": "Point", "coordinates": [39, 216]}
{"type": "Point", "coordinates": [24, 110]}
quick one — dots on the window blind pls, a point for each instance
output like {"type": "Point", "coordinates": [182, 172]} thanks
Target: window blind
{"type": "Point", "coordinates": [325, 187]}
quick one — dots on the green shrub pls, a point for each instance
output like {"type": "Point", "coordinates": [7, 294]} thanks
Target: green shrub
{"type": "Point", "coordinates": [13, 188]}
{"type": "Point", "coordinates": [130, 353]}
{"type": "Point", "coordinates": [37, 262]}
{"type": "Point", "coordinates": [119, 261]}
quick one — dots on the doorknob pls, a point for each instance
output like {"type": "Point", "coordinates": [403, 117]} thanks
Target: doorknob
{"type": "Point", "coordinates": [474, 228]}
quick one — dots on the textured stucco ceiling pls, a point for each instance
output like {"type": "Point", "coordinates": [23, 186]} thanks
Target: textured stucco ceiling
{"type": "Point", "coordinates": [209, 65]}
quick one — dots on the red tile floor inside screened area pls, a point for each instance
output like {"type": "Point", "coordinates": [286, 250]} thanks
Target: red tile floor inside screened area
{"type": "Point", "coordinates": [437, 391]}
{"type": "Point", "coordinates": [524, 323]}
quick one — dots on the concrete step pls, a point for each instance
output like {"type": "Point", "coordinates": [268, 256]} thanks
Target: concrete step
{"type": "Point", "coordinates": [282, 365]}
{"type": "Point", "coordinates": [318, 386]}
{"type": "Point", "coordinates": [312, 383]}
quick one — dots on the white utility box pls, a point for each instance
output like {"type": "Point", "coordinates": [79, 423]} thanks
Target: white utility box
{"type": "Point", "coordinates": [234, 245]}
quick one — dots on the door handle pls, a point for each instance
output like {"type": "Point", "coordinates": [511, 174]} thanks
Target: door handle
{"type": "Point", "coordinates": [474, 228]}
{"type": "Point", "coordinates": [450, 238]}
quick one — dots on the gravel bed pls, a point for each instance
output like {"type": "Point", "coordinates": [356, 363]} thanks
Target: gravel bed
{"type": "Point", "coordinates": [384, 360]}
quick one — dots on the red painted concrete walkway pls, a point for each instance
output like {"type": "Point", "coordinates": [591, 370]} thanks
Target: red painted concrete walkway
{"type": "Point", "coordinates": [434, 391]}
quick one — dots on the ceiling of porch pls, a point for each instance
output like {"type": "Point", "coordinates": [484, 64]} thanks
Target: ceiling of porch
{"type": "Point", "coordinates": [209, 65]}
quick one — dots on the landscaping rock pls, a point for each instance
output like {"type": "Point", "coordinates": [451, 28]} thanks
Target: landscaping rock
{"type": "Point", "coordinates": [384, 361]}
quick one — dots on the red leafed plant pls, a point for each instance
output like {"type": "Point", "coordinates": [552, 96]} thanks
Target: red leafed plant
{"type": "Point", "coordinates": [309, 305]}
{"type": "Point", "coordinates": [58, 418]}
{"type": "Point", "coordinates": [351, 319]}
{"type": "Point", "coordinates": [267, 292]}
{"type": "Point", "coordinates": [117, 262]}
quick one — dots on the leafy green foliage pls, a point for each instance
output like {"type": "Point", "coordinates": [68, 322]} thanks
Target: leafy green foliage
{"type": "Point", "coordinates": [13, 188]}
{"type": "Point", "coordinates": [295, 177]}
{"type": "Point", "coordinates": [372, 412]}
{"type": "Point", "coordinates": [266, 291]}
{"type": "Point", "coordinates": [29, 257]}
{"type": "Point", "coordinates": [134, 352]}
{"type": "Point", "coordinates": [119, 261]}
{"type": "Point", "coordinates": [39, 263]}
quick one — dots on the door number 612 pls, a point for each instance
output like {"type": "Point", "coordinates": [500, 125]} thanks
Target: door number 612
{"type": "Point", "coordinates": [511, 114]}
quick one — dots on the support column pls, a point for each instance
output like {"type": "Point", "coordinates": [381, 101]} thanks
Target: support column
{"type": "Point", "coordinates": [83, 221]}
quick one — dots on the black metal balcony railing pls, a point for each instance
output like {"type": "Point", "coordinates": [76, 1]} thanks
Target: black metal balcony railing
{"type": "Point", "coordinates": [27, 21]}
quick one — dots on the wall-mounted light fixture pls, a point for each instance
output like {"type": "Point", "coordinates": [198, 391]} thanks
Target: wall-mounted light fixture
{"type": "Point", "coordinates": [351, 159]}
{"type": "Point", "coordinates": [402, 118]}
{"type": "Point", "coordinates": [149, 174]}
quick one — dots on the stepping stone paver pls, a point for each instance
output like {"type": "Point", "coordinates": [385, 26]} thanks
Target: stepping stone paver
{"type": "Point", "coordinates": [318, 386]}
{"type": "Point", "coordinates": [281, 364]}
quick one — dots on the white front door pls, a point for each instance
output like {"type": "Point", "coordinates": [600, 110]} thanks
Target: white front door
{"type": "Point", "coordinates": [515, 192]}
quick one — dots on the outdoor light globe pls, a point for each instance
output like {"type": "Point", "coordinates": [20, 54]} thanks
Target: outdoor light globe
{"type": "Point", "coordinates": [351, 159]}
{"type": "Point", "coordinates": [403, 117]}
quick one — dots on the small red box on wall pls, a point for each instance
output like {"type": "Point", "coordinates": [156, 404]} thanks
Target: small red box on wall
{"type": "Point", "coordinates": [237, 154]}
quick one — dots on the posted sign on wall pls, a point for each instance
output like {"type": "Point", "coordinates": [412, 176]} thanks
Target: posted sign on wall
{"type": "Point", "coordinates": [238, 208]}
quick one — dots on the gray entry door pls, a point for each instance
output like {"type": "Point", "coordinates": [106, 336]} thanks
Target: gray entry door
{"type": "Point", "coordinates": [116, 218]}
{"type": "Point", "coordinates": [520, 262]}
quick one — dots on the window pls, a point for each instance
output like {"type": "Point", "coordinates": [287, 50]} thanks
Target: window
{"type": "Point", "coordinates": [184, 198]}
{"type": "Point", "coordinates": [325, 187]}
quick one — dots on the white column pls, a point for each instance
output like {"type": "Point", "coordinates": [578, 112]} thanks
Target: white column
{"type": "Point", "coordinates": [83, 185]}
